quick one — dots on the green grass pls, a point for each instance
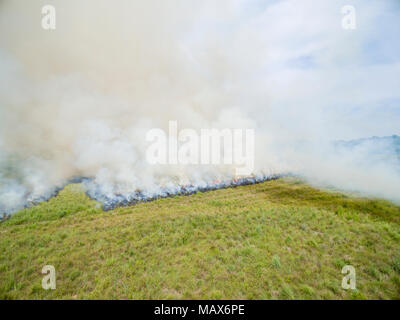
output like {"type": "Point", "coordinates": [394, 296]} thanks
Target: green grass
{"type": "Point", "coordinates": [277, 240]}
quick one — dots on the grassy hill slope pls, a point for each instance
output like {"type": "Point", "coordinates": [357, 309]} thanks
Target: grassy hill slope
{"type": "Point", "coordinates": [276, 240]}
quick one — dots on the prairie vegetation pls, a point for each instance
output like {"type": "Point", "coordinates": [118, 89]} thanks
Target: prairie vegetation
{"type": "Point", "coordinates": [280, 239]}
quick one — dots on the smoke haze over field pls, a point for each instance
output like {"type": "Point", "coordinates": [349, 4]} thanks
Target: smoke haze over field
{"type": "Point", "coordinates": [78, 100]}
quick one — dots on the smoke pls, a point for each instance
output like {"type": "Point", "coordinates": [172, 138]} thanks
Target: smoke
{"type": "Point", "coordinates": [77, 101]}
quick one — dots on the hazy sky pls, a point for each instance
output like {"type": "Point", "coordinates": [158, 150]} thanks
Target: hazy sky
{"type": "Point", "coordinates": [79, 100]}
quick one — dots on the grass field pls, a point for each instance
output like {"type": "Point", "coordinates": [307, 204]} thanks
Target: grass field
{"type": "Point", "coordinates": [280, 239]}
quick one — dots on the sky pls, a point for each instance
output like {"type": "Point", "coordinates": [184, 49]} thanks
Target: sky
{"type": "Point", "coordinates": [78, 100]}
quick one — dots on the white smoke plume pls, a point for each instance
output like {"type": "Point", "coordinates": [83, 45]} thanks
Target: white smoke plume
{"type": "Point", "coordinates": [77, 101]}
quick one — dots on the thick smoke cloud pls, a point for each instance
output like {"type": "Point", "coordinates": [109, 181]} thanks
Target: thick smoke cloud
{"type": "Point", "coordinates": [77, 101]}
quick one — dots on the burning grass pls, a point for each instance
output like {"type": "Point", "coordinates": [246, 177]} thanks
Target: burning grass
{"type": "Point", "coordinates": [277, 239]}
